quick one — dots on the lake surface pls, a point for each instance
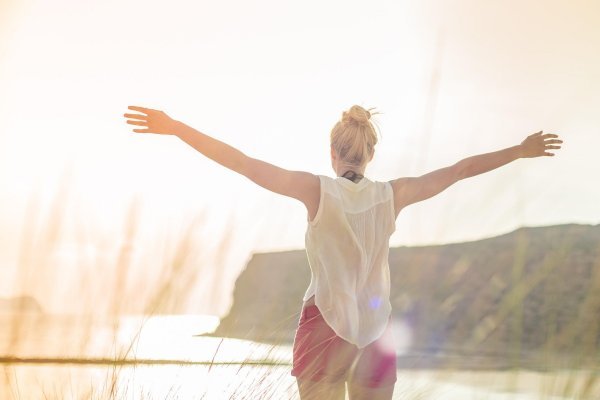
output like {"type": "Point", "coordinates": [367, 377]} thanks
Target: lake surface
{"type": "Point", "coordinates": [180, 365]}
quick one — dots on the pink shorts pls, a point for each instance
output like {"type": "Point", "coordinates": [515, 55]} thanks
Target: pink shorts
{"type": "Point", "coordinates": [320, 355]}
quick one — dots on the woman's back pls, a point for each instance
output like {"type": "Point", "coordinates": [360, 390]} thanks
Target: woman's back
{"type": "Point", "coordinates": [347, 244]}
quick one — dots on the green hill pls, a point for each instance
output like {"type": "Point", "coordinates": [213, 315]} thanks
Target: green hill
{"type": "Point", "coordinates": [531, 296]}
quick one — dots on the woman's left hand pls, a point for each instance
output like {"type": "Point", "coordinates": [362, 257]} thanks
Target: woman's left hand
{"type": "Point", "coordinates": [538, 144]}
{"type": "Point", "coordinates": [154, 121]}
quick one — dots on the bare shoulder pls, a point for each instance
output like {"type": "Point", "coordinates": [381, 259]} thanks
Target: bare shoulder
{"type": "Point", "coordinates": [409, 190]}
{"type": "Point", "coordinates": [402, 186]}
{"type": "Point", "coordinates": [295, 184]}
{"type": "Point", "coordinates": [308, 177]}
{"type": "Point", "coordinates": [302, 185]}
{"type": "Point", "coordinates": [308, 191]}
{"type": "Point", "coordinates": [399, 183]}
{"type": "Point", "coordinates": [306, 181]}
{"type": "Point", "coordinates": [403, 190]}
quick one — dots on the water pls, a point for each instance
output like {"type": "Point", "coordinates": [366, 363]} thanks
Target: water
{"type": "Point", "coordinates": [172, 339]}
{"type": "Point", "coordinates": [164, 337]}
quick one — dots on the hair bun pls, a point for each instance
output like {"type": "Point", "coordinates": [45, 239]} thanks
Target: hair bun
{"type": "Point", "coordinates": [356, 114]}
{"type": "Point", "coordinates": [354, 137]}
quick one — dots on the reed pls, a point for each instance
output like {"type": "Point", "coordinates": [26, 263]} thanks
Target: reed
{"type": "Point", "coordinates": [175, 282]}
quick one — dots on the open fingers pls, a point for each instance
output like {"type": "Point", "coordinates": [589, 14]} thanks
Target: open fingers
{"type": "Point", "coordinates": [549, 135]}
{"type": "Point", "coordinates": [135, 116]}
{"type": "Point", "coordinates": [133, 122]}
{"type": "Point", "coordinates": [142, 130]}
{"type": "Point", "coordinates": [141, 109]}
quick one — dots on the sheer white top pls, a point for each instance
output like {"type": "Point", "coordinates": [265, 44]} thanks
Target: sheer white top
{"type": "Point", "coordinates": [347, 244]}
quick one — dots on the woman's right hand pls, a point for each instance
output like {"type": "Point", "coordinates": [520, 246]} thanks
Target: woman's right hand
{"type": "Point", "coordinates": [153, 121]}
{"type": "Point", "coordinates": [538, 144]}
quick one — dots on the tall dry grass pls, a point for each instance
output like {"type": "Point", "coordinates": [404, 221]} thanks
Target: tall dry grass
{"type": "Point", "coordinates": [42, 237]}
{"type": "Point", "coordinates": [122, 287]}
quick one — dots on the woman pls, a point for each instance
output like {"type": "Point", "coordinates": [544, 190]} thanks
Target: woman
{"type": "Point", "coordinates": [344, 332]}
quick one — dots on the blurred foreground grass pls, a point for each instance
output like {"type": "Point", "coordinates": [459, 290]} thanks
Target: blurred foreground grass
{"type": "Point", "coordinates": [107, 291]}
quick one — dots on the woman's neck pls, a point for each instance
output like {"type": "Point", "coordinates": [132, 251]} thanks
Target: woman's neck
{"type": "Point", "coordinates": [352, 175]}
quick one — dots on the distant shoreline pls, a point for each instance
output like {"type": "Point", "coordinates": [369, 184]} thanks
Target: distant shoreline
{"type": "Point", "coordinates": [404, 362]}
{"type": "Point", "coordinates": [126, 361]}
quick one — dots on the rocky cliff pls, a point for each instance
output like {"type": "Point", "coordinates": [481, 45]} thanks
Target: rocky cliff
{"type": "Point", "coordinates": [534, 290]}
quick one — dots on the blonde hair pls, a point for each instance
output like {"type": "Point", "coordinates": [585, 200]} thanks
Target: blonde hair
{"type": "Point", "coordinates": [354, 137]}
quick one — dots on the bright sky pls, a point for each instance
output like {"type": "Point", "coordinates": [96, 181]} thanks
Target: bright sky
{"type": "Point", "coordinates": [452, 78]}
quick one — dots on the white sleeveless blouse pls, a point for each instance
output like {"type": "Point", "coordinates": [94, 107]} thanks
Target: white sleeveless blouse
{"type": "Point", "coordinates": [347, 244]}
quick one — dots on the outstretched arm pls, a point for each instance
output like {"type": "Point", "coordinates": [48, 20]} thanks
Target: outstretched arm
{"type": "Point", "coordinates": [409, 190]}
{"type": "Point", "coordinates": [300, 185]}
